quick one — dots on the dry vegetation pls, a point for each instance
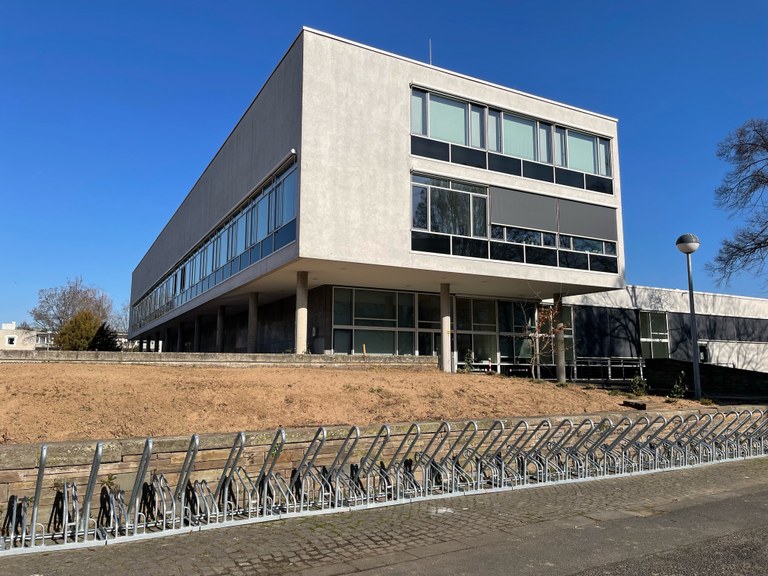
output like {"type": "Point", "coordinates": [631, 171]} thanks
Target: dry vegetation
{"type": "Point", "coordinates": [50, 402]}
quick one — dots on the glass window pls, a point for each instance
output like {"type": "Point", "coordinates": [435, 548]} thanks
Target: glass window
{"type": "Point", "coordinates": [545, 143]}
{"type": "Point", "coordinates": [484, 314]}
{"type": "Point", "coordinates": [342, 341]}
{"type": "Point", "coordinates": [604, 148]}
{"type": "Point", "coordinates": [587, 245]}
{"type": "Point", "coordinates": [289, 196]}
{"type": "Point", "coordinates": [447, 119]}
{"type": "Point", "coordinates": [560, 147]}
{"type": "Point", "coordinates": [477, 126]}
{"type": "Point", "coordinates": [375, 304]}
{"type": "Point", "coordinates": [610, 248]}
{"type": "Point", "coordinates": [429, 312]}
{"type": "Point", "coordinates": [581, 152]}
{"type": "Point", "coordinates": [494, 130]}
{"type": "Point", "coordinates": [405, 343]}
{"type": "Point", "coordinates": [479, 220]}
{"type": "Point", "coordinates": [418, 112]}
{"type": "Point", "coordinates": [484, 347]}
{"type": "Point", "coordinates": [497, 232]}
{"type": "Point", "coordinates": [342, 306]}
{"type": "Point", "coordinates": [565, 242]}
{"type": "Point", "coordinates": [406, 311]}
{"type": "Point", "coordinates": [419, 206]}
{"type": "Point", "coordinates": [548, 239]}
{"type": "Point", "coordinates": [449, 212]}
{"type": "Point", "coordinates": [240, 236]}
{"type": "Point", "coordinates": [262, 224]}
{"type": "Point", "coordinates": [208, 258]}
{"type": "Point", "coordinates": [463, 314]}
{"type": "Point", "coordinates": [519, 137]}
{"type": "Point", "coordinates": [520, 236]}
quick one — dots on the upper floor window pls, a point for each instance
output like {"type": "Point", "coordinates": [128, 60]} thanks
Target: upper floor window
{"type": "Point", "coordinates": [468, 124]}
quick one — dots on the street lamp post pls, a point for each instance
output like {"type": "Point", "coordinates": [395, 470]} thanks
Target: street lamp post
{"type": "Point", "coordinates": [688, 244]}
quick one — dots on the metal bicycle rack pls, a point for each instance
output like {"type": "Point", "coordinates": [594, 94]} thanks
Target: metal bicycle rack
{"type": "Point", "coordinates": [336, 472]}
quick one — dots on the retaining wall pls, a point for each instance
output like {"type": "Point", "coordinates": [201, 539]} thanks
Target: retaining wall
{"type": "Point", "coordinates": [208, 359]}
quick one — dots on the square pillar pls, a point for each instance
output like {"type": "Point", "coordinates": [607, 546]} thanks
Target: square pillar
{"type": "Point", "coordinates": [180, 338]}
{"type": "Point", "coordinates": [196, 336]}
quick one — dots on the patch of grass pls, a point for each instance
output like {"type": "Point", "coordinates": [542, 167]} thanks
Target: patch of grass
{"type": "Point", "coordinates": [707, 402]}
{"type": "Point", "coordinates": [590, 386]}
{"type": "Point", "coordinates": [562, 384]}
{"type": "Point", "coordinates": [616, 392]}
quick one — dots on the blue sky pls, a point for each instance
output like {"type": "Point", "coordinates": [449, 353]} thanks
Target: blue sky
{"type": "Point", "coordinates": [110, 111]}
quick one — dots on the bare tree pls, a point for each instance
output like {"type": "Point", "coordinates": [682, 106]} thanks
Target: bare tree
{"type": "Point", "coordinates": [57, 306]}
{"type": "Point", "coordinates": [119, 320]}
{"type": "Point", "coordinates": [742, 193]}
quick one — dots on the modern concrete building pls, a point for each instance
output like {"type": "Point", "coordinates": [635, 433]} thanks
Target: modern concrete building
{"type": "Point", "coordinates": [370, 203]}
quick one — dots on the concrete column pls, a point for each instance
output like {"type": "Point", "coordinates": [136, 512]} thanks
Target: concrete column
{"type": "Point", "coordinates": [559, 343]}
{"type": "Point", "coordinates": [141, 344]}
{"type": "Point", "coordinates": [157, 342]}
{"type": "Point", "coordinates": [220, 330]}
{"type": "Point", "coordinates": [196, 335]}
{"type": "Point", "coordinates": [302, 282]}
{"type": "Point", "coordinates": [180, 338]}
{"type": "Point", "coordinates": [253, 312]}
{"type": "Point", "coordinates": [445, 327]}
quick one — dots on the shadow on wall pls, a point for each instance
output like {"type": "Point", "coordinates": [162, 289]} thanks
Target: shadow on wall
{"type": "Point", "coordinates": [716, 381]}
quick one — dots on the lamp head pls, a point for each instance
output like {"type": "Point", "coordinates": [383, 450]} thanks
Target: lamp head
{"type": "Point", "coordinates": [688, 243]}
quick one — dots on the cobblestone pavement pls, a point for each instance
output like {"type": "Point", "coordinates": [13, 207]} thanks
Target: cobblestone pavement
{"type": "Point", "coordinates": [364, 539]}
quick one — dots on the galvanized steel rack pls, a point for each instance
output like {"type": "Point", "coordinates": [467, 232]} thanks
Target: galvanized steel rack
{"type": "Point", "coordinates": [350, 472]}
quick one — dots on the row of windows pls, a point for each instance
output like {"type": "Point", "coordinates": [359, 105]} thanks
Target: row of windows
{"type": "Point", "coordinates": [477, 126]}
{"type": "Point", "coordinates": [451, 217]}
{"type": "Point", "coordinates": [265, 224]}
{"type": "Point", "coordinates": [552, 240]}
{"type": "Point", "coordinates": [388, 322]}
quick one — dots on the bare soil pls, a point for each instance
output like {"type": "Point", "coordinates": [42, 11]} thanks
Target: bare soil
{"type": "Point", "coordinates": [54, 402]}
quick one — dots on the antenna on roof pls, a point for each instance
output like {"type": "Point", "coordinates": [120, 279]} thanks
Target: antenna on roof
{"type": "Point", "coordinates": [430, 51]}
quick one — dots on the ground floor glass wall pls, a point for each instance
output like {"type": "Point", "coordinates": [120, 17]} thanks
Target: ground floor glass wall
{"type": "Point", "coordinates": [369, 321]}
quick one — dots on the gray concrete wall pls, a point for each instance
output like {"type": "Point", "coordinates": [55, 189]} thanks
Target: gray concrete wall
{"type": "Point", "coordinates": [356, 165]}
{"type": "Point", "coordinates": [266, 133]}
{"type": "Point", "coordinates": [173, 358]}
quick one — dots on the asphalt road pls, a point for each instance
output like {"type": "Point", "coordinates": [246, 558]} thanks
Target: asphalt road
{"type": "Point", "coordinates": [705, 520]}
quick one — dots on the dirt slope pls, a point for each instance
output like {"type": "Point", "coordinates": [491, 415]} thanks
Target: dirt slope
{"type": "Point", "coordinates": [50, 402]}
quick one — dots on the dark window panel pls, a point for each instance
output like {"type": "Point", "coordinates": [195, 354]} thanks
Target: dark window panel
{"type": "Point", "coordinates": [569, 178]}
{"type": "Point", "coordinates": [256, 252]}
{"type": "Point", "coordinates": [245, 259]}
{"type": "Point", "coordinates": [505, 164]}
{"type": "Point", "coordinates": [603, 264]}
{"type": "Point", "coordinates": [598, 184]}
{"type": "Point", "coordinates": [541, 256]}
{"type": "Point", "coordinates": [266, 246]}
{"type": "Point", "coordinates": [424, 242]}
{"type": "Point", "coordinates": [576, 260]}
{"type": "Point", "coordinates": [508, 252]}
{"type": "Point", "coordinates": [468, 156]}
{"type": "Point", "coordinates": [470, 247]}
{"type": "Point", "coordinates": [538, 171]}
{"type": "Point", "coordinates": [235, 266]}
{"type": "Point", "coordinates": [429, 148]}
{"type": "Point", "coordinates": [285, 235]}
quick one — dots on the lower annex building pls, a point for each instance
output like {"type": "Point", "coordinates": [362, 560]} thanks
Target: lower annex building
{"type": "Point", "coordinates": [369, 203]}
